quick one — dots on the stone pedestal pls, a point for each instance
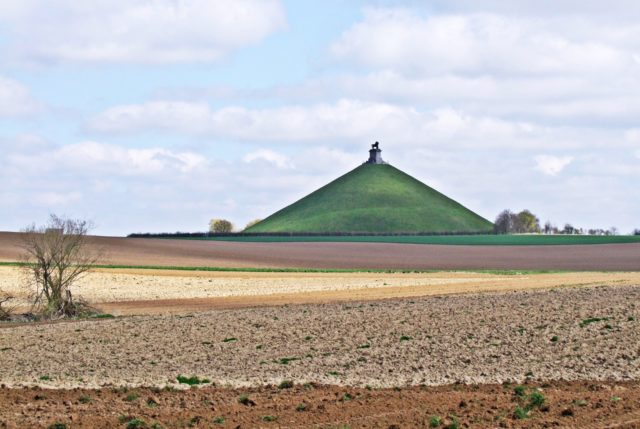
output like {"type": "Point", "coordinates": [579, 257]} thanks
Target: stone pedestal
{"type": "Point", "coordinates": [375, 155]}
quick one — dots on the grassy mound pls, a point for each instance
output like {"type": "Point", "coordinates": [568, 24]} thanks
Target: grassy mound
{"type": "Point", "coordinates": [374, 198]}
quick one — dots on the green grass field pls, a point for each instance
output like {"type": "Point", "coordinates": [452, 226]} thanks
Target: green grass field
{"type": "Point", "coordinates": [466, 240]}
{"type": "Point", "coordinates": [374, 199]}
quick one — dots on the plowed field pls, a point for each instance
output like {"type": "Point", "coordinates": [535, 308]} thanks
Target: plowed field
{"type": "Point", "coordinates": [129, 251]}
{"type": "Point", "coordinates": [374, 350]}
{"type": "Point", "coordinates": [584, 405]}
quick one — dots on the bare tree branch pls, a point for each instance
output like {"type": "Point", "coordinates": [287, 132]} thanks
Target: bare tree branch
{"type": "Point", "coordinates": [5, 311]}
{"type": "Point", "coordinates": [56, 256]}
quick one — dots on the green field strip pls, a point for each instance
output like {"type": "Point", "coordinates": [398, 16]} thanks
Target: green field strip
{"type": "Point", "coordinates": [459, 240]}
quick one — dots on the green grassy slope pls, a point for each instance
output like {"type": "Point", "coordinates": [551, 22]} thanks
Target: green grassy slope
{"type": "Point", "coordinates": [374, 198]}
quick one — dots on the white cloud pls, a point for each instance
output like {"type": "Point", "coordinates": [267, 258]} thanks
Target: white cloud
{"type": "Point", "coordinates": [543, 8]}
{"type": "Point", "coordinates": [348, 121]}
{"type": "Point", "coordinates": [633, 136]}
{"type": "Point", "coordinates": [488, 59]}
{"type": "Point", "coordinates": [326, 161]}
{"type": "Point", "coordinates": [156, 189]}
{"type": "Point", "coordinates": [189, 117]}
{"type": "Point", "coordinates": [16, 99]}
{"type": "Point", "coordinates": [346, 118]}
{"type": "Point", "coordinates": [54, 199]}
{"type": "Point", "coordinates": [147, 31]}
{"type": "Point", "coordinates": [552, 165]}
{"type": "Point", "coordinates": [565, 70]}
{"type": "Point", "coordinates": [269, 156]}
{"type": "Point", "coordinates": [542, 97]}
{"type": "Point", "coordinates": [485, 43]}
{"type": "Point", "coordinates": [95, 158]}
{"type": "Point", "coordinates": [25, 142]}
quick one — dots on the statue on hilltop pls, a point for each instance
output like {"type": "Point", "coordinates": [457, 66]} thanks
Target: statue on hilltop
{"type": "Point", "coordinates": [375, 154]}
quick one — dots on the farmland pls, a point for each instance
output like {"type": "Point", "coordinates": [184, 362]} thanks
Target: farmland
{"type": "Point", "coordinates": [331, 334]}
{"type": "Point", "coordinates": [345, 361]}
{"type": "Point", "coordinates": [352, 255]}
{"type": "Point", "coordinates": [151, 291]}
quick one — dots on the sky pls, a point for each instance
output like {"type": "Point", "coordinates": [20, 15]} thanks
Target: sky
{"type": "Point", "coordinates": [158, 115]}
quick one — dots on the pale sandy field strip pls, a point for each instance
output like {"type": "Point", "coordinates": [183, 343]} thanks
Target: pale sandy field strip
{"type": "Point", "coordinates": [166, 291]}
{"type": "Point", "coordinates": [472, 338]}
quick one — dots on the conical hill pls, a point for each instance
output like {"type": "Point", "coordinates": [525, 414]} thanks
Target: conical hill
{"type": "Point", "coordinates": [374, 198]}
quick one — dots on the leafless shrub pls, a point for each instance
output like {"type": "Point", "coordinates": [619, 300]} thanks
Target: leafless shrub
{"type": "Point", "coordinates": [56, 255]}
{"type": "Point", "coordinates": [5, 308]}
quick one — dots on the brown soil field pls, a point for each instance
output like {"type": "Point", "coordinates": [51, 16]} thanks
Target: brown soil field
{"type": "Point", "coordinates": [586, 333]}
{"type": "Point", "coordinates": [390, 363]}
{"type": "Point", "coordinates": [566, 404]}
{"type": "Point", "coordinates": [129, 251]}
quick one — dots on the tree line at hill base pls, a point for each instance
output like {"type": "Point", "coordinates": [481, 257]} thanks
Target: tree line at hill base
{"type": "Point", "coordinates": [507, 222]}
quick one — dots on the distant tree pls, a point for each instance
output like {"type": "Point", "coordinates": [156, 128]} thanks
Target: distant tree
{"type": "Point", "coordinates": [568, 229]}
{"type": "Point", "coordinates": [56, 255]}
{"type": "Point", "coordinates": [253, 222]}
{"type": "Point", "coordinates": [508, 222]}
{"type": "Point", "coordinates": [504, 223]}
{"type": "Point", "coordinates": [613, 230]}
{"type": "Point", "coordinates": [517, 226]}
{"type": "Point", "coordinates": [636, 231]}
{"type": "Point", "coordinates": [528, 222]}
{"type": "Point", "coordinates": [548, 227]}
{"type": "Point", "coordinates": [220, 226]}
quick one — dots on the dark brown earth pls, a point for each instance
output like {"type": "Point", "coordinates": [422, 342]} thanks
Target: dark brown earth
{"type": "Point", "coordinates": [129, 251]}
{"type": "Point", "coordinates": [566, 404]}
{"type": "Point", "coordinates": [585, 333]}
